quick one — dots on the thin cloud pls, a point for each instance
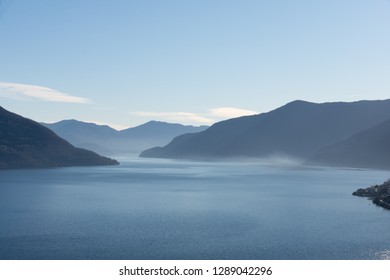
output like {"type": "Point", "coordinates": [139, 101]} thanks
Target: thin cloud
{"type": "Point", "coordinates": [208, 118]}
{"type": "Point", "coordinates": [23, 91]}
{"type": "Point", "coordinates": [174, 116]}
{"type": "Point", "coordinates": [229, 112]}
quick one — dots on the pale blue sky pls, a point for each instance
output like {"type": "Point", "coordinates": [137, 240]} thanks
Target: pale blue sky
{"type": "Point", "coordinates": [124, 62]}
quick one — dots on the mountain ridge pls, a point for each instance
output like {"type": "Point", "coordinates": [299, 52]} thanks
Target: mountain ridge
{"type": "Point", "coordinates": [297, 129]}
{"type": "Point", "coordinates": [369, 148]}
{"type": "Point", "coordinates": [25, 143]}
{"type": "Point", "coordinates": [108, 141]}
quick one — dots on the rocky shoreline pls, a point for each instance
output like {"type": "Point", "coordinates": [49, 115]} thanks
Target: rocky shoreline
{"type": "Point", "coordinates": [379, 194]}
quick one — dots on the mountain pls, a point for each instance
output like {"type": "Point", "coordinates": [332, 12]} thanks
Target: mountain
{"type": "Point", "coordinates": [369, 148]}
{"type": "Point", "coordinates": [27, 144]}
{"type": "Point", "coordinates": [153, 133]}
{"type": "Point", "coordinates": [86, 135]}
{"type": "Point", "coordinates": [297, 129]}
{"type": "Point", "coordinates": [108, 141]}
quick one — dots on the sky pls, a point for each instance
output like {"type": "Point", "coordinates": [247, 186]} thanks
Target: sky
{"type": "Point", "coordinates": [125, 62]}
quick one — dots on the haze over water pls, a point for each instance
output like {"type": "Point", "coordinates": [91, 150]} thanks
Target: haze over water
{"type": "Point", "coordinates": [161, 209]}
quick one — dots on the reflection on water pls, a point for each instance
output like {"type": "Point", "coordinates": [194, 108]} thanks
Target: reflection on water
{"type": "Point", "coordinates": [382, 255]}
{"type": "Point", "coordinates": [159, 209]}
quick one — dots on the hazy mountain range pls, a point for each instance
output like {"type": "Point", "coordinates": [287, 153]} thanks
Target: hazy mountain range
{"type": "Point", "coordinates": [327, 133]}
{"type": "Point", "coordinates": [355, 134]}
{"type": "Point", "coordinates": [27, 144]}
{"type": "Point", "coordinates": [108, 141]}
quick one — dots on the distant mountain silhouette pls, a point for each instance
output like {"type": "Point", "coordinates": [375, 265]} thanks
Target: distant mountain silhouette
{"type": "Point", "coordinates": [86, 135]}
{"type": "Point", "coordinates": [297, 129]}
{"type": "Point", "coordinates": [369, 149]}
{"type": "Point", "coordinates": [27, 144]}
{"type": "Point", "coordinates": [108, 141]}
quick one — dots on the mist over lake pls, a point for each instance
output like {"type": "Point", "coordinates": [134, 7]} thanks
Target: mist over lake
{"type": "Point", "coordinates": [163, 209]}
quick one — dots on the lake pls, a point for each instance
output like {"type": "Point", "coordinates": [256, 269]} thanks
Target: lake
{"type": "Point", "coordinates": [163, 209]}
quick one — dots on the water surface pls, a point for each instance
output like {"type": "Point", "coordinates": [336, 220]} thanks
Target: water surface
{"type": "Point", "coordinates": [160, 209]}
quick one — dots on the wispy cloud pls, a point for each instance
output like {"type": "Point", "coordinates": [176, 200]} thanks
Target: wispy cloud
{"type": "Point", "coordinates": [229, 112]}
{"type": "Point", "coordinates": [23, 91]}
{"type": "Point", "coordinates": [208, 118]}
{"type": "Point", "coordinates": [174, 117]}
{"type": "Point", "coordinates": [112, 125]}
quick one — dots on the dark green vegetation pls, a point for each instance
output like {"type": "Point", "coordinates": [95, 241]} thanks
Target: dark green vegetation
{"type": "Point", "coordinates": [300, 130]}
{"type": "Point", "coordinates": [380, 194]}
{"type": "Point", "coordinates": [27, 144]}
{"type": "Point", "coordinates": [108, 141]}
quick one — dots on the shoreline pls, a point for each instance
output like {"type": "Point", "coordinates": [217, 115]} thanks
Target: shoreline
{"type": "Point", "coordinates": [379, 194]}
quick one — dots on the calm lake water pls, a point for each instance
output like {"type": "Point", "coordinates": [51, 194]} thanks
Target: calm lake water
{"type": "Point", "coordinates": [160, 209]}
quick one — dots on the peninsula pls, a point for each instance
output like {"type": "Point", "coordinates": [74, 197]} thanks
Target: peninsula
{"type": "Point", "coordinates": [379, 194]}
